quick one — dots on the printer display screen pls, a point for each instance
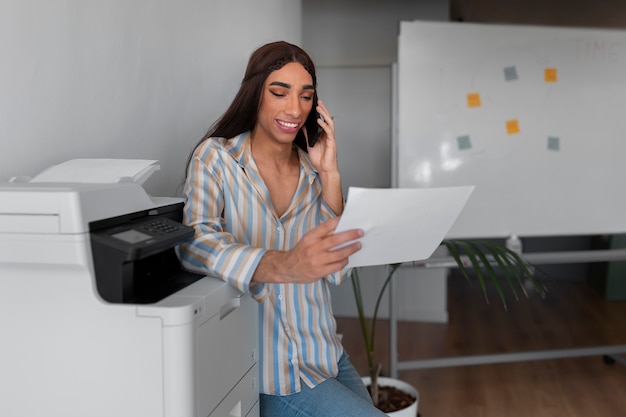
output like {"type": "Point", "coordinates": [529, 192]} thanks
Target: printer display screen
{"type": "Point", "coordinates": [131, 236]}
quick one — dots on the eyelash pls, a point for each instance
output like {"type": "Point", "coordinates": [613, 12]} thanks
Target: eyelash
{"type": "Point", "coordinates": [307, 98]}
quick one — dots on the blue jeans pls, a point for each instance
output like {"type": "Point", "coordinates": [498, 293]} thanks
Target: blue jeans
{"type": "Point", "coordinates": [343, 396]}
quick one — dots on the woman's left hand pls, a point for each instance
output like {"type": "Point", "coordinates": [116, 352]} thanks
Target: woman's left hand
{"type": "Point", "coordinates": [323, 155]}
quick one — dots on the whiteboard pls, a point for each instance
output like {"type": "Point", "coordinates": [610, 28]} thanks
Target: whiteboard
{"type": "Point", "coordinates": [533, 116]}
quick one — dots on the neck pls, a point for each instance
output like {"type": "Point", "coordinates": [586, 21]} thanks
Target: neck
{"type": "Point", "coordinates": [267, 150]}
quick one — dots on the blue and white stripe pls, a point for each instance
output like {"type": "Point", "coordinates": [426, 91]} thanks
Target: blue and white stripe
{"type": "Point", "coordinates": [230, 208]}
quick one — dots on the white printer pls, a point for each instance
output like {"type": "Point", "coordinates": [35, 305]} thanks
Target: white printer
{"type": "Point", "coordinates": [98, 319]}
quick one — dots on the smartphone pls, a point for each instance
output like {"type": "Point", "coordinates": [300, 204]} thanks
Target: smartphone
{"type": "Point", "coordinates": [313, 130]}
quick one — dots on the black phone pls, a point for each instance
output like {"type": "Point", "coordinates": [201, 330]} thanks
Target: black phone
{"type": "Point", "coordinates": [313, 130]}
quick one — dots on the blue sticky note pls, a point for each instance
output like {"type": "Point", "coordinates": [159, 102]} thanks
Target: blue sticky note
{"type": "Point", "coordinates": [553, 143]}
{"type": "Point", "coordinates": [464, 142]}
{"type": "Point", "coordinates": [510, 74]}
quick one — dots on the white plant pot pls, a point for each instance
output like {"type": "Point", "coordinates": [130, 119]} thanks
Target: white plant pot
{"type": "Point", "coordinates": [411, 411]}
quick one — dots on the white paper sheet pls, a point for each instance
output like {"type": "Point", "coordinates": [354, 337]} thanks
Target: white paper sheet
{"type": "Point", "coordinates": [99, 171]}
{"type": "Point", "coordinates": [401, 224]}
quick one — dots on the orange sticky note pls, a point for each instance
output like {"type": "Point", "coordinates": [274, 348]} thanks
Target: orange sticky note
{"type": "Point", "coordinates": [550, 75]}
{"type": "Point", "coordinates": [473, 100]}
{"type": "Point", "coordinates": [512, 126]}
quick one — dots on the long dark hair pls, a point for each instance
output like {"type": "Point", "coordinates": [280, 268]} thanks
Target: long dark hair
{"type": "Point", "coordinates": [241, 115]}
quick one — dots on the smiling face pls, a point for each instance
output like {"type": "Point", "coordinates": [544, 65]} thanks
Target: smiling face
{"type": "Point", "coordinates": [286, 101]}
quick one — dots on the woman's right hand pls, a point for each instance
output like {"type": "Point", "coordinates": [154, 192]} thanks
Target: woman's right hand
{"type": "Point", "coordinates": [312, 258]}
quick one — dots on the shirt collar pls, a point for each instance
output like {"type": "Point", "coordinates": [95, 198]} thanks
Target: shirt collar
{"type": "Point", "coordinates": [239, 148]}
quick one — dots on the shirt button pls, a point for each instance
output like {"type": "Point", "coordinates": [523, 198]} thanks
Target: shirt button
{"type": "Point", "coordinates": [280, 296]}
{"type": "Point", "coordinates": [279, 229]}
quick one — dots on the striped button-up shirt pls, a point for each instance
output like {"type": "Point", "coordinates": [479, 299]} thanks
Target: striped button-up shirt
{"type": "Point", "coordinates": [230, 208]}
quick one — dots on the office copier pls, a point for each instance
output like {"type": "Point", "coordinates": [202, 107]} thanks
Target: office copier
{"type": "Point", "coordinates": [98, 319]}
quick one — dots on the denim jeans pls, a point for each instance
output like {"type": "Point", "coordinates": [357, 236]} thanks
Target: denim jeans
{"type": "Point", "coordinates": [343, 396]}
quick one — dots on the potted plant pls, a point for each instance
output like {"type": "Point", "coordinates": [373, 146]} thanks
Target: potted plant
{"type": "Point", "coordinates": [484, 258]}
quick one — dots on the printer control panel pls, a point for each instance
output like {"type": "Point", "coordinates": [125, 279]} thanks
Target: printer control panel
{"type": "Point", "coordinates": [134, 255]}
{"type": "Point", "coordinates": [145, 236]}
{"type": "Point", "coordinates": [149, 231]}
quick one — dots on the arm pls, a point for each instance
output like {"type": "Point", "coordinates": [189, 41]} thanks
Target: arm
{"type": "Point", "coordinates": [214, 251]}
{"type": "Point", "coordinates": [323, 157]}
{"type": "Point", "coordinates": [331, 191]}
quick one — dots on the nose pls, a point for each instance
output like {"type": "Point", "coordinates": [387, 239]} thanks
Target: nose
{"type": "Point", "coordinates": [294, 106]}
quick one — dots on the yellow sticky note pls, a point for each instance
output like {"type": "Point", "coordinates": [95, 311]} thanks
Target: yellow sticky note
{"type": "Point", "coordinates": [512, 126]}
{"type": "Point", "coordinates": [473, 100]}
{"type": "Point", "coordinates": [550, 75]}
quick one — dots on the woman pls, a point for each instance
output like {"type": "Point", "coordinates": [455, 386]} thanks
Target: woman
{"type": "Point", "coordinates": [264, 205]}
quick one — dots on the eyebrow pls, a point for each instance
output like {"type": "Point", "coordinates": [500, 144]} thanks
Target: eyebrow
{"type": "Point", "coordinates": [285, 85]}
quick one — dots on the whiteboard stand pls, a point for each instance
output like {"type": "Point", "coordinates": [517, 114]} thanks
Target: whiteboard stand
{"type": "Point", "coordinates": [610, 352]}
{"type": "Point", "coordinates": [615, 358]}
{"type": "Point", "coordinates": [491, 106]}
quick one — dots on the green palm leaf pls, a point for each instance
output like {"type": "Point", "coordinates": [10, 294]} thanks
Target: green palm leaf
{"type": "Point", "coordinates": [483, 257]}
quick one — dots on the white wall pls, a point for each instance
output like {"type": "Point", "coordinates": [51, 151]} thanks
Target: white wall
{"type": "Point", "coordinates": [361, 32]}
{"type": "Point", "coordinates": [124, 79]}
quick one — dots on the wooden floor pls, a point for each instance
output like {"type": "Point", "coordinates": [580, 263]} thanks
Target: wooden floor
{"type": "Point", "coordinates": [571, 316]}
